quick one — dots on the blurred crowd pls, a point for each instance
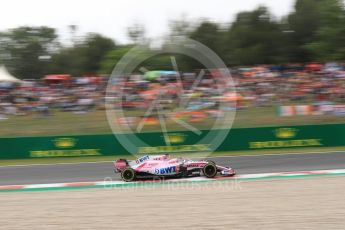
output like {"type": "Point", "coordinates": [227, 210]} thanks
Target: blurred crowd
{"type": "Point", "coordinates": [255, 87]}
{"type": "Point", "coordinates": [42, 98]}
{"type": "Point", "coordinates": [292, 84]}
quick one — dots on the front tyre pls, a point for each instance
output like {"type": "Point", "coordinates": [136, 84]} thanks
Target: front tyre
{"type": "Point", "coordinates": [210, 170]}
{"type": "Point", "coordinates": [128, 174]}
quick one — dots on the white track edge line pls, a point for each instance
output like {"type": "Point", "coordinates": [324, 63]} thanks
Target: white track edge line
{"type": "Point", "coordinates": [111, 183]}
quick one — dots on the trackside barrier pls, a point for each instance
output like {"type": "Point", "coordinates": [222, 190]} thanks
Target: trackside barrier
{"type": "Point", "coordinates": [151, 143]}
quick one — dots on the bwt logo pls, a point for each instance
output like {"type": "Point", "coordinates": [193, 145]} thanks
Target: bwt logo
{"type": "Point", "coordinates": [167, 170]}
{"type": "Point", "coordinates": [144, 158]}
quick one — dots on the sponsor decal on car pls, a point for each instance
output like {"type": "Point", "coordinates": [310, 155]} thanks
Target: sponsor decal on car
{"type": "Point", "coordinates": [142, 159]}
{"type": "Point", "coordinates": [166, 170]}
{"type": "Point", "coordinates": [152, 165]}
{"type": "Point", "coordinates": [195, 165]}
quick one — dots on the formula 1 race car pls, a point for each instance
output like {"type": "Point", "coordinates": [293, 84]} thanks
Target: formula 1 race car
{"type": "Point", "coordinates": [152, 166]}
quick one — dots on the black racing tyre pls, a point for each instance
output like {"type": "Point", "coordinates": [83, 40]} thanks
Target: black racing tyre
{"type": "Point", "coordinates": [183, 171]}
{"type": "Point", "coordinates": [128, 174]}
{"type": "Point", "coordinates": [210, 170]}
{"type": "Point", "coordinates": [211, 162]}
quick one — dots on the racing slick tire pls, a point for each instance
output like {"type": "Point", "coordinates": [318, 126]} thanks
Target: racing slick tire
{"type": "Point", "coordinates": [210, 170]}
{"type": "Point", "coordinates": [183, 171]}
{"type": "Point", "coordinates": [211, 162]}
{"type": "Point", "coordinates": [128, 174]}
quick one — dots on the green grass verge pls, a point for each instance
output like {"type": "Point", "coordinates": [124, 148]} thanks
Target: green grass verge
{"type": "Point", "coordinates": [215, 154]}
{"type": "Point", "coordinates": [62, 123]}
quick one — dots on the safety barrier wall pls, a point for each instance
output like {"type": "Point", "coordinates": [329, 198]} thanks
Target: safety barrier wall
{"type": "Point", "coordinates": [184, 141]}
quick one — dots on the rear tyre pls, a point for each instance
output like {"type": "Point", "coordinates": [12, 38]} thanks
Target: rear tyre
{"type": "Point", "coordinates": [210, 170]}
{"type": "Point", "coordinates": [183, 171]}
{"type": "Point", "coordinates": [128, 174]}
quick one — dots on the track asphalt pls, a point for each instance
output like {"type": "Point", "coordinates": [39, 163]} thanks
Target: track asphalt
{"type": "Point", "coordinates": [85, 172]}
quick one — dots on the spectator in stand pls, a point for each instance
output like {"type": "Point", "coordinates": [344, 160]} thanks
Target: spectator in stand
{"type": "Point", "coordinates": [256, 86]}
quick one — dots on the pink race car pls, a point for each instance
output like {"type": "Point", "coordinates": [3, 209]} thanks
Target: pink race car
{"type": "Point", "coordinates": [151, 166]}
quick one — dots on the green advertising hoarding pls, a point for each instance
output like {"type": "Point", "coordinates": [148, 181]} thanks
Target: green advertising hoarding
{"type": "Point", "coordinates": [155, 143]}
